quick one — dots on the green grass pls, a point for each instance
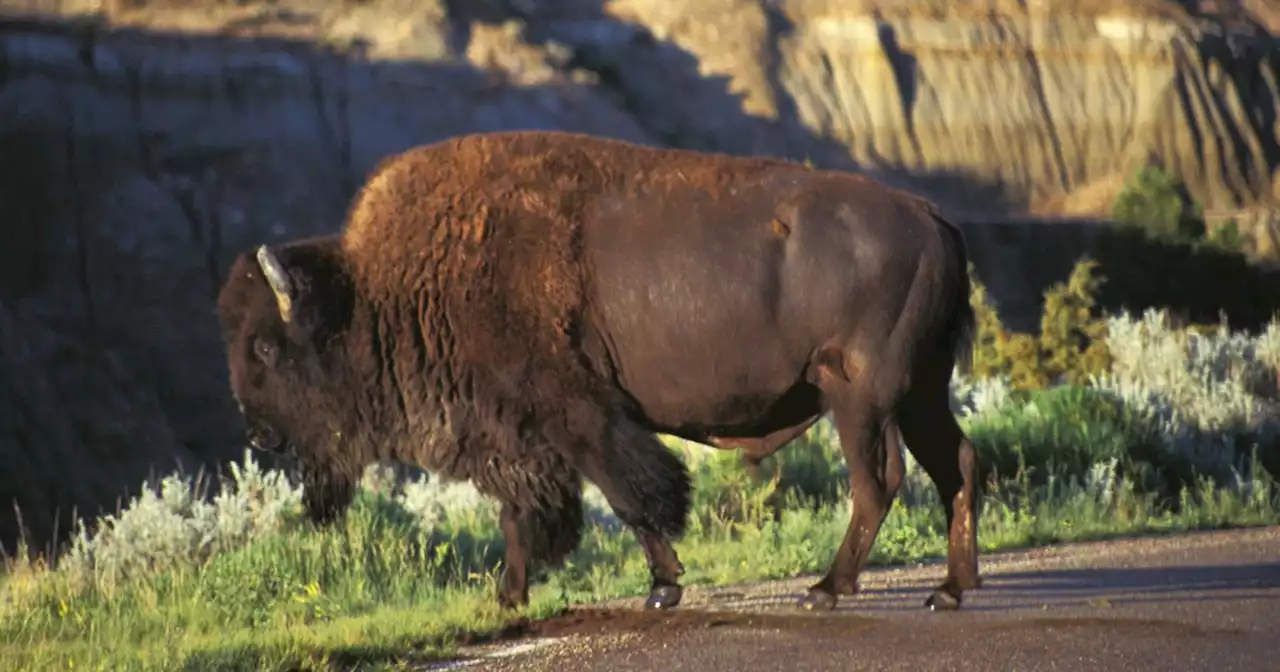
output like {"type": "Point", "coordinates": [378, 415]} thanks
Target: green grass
{"type": "Point", "coordinates": [1179, 435]}
{"type": "Point", "coordinates": [373, 592]}
{"type": "Point", "coordinates": [382, 588]}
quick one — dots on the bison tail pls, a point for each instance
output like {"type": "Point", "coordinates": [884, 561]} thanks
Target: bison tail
{"type": "Point", "coordinates": [961, 327]}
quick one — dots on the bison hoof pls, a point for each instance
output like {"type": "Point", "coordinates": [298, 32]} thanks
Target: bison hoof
{"type": "Point", "coordinates": [942, 600]}
{"type": "Point", "coordinates": [512, 601]}
{"type": "Point", "coordinates": [664, 597]}
{"type": "Point", "coordinates": [508, 604]}
{"type": "Point", "coordinates": [818, 600]}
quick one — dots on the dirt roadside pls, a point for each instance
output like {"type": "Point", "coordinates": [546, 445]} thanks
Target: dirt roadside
{"type": "Point", "coordinates": [1187, 602]}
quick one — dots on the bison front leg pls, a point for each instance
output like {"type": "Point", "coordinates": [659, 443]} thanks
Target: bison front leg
{"type": "Point", "coordinates": [546, 535]}
{"type": "Point", "coordinates": [649, 489]}
{"type": "Point", "coordinates": [514, 590]}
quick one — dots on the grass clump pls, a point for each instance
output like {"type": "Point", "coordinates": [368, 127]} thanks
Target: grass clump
{"type": "Point", "coordinates": [1067, 429]}
{"type": "Point", "coordinates": [1152, 200]}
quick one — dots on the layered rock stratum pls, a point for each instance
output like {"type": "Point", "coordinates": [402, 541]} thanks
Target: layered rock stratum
{"type": "Point", "coordinates": [143, 144]}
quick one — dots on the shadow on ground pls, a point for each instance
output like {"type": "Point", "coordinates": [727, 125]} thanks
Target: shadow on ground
{"type": "Point", "coordinates": [1009, 591]}
{"type": "Point", "coordinates": [1005, 592]}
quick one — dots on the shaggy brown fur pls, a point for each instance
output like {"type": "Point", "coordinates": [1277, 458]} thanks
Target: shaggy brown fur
{"type": "Point", "coordinates": [494, 311]}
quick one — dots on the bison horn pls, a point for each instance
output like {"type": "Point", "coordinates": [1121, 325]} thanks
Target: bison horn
{"type": "Point", "coordinates": [279, 281]}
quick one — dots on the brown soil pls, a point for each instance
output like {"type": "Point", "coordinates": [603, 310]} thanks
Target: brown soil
{"type": "Point", "coordinates": [596, 621]}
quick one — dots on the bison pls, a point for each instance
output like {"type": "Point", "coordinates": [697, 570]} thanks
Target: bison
{"type": "Point", "coordinates": [527, 309]}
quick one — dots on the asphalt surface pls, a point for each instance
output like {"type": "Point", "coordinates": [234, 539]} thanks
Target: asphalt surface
{"type": "Point", "coordinates": [1201, 601]}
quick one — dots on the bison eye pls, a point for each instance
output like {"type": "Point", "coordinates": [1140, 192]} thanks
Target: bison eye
{"type": "Point", "coordinates": [265, 351]}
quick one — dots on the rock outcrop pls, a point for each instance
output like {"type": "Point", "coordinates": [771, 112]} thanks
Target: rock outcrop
{"type": "Point", "coordinates": [142, 147]}
{"type": "Point", "coordinates": [1028, 104]}
{"type": "Point", "coordinates": [133, 166]}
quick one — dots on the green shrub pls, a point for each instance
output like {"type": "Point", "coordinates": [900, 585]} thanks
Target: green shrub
{"type": "Point", "coordinates": [1070, 347]}
{"type": "Point", "coordinates": [1073, 342]}
{"type": "Point", "coordinates": [990, 341]}
{"type": "Point", "coordinates": [1152, 201]}
{"type": "Point", "coordinates": [1226, 236]}
{"type": "Point", "coordinates": [812, 470]}
{"type": "Point", "coordinates": [724, 491]}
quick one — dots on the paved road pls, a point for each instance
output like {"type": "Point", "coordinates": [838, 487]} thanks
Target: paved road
{"type": "Point", "coordinates": [1204, 601]}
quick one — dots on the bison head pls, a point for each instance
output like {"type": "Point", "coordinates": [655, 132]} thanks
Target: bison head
{"type": "Point", "coordinates": [282, 313]}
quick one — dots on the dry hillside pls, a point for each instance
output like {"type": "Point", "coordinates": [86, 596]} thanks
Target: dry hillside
{"type": "Point", "coordinates": [143, 143]}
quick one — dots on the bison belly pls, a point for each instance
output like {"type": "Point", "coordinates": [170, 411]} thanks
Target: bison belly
{"type": "Point", "coordinates": [707, 334]}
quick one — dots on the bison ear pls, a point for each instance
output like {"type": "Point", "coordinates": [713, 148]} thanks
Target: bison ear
{"type": "Point", "coordinates": [281, 285]}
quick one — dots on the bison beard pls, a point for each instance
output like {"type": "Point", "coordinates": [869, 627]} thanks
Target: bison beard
{"type": "Point", "coordinates": [325, 495]}
{"type": "Point", "coordinates": [525, 310]}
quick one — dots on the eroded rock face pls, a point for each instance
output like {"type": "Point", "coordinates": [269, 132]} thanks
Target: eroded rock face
{"type": "Point", "coordinates": [1029, 104]}
{"type": "Point", "coordinates": [136, 159]}
{"type": "Point", "coordinates": [133, 166]}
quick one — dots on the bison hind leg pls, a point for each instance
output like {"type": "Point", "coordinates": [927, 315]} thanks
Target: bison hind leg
{"type": "Point", "coordinates": [946, 454]}
{"type": "Point", "coordinates": [862, 409]}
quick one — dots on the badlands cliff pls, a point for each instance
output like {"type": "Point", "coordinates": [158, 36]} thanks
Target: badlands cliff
{"type": "Point", "coordinates": [142, 144]}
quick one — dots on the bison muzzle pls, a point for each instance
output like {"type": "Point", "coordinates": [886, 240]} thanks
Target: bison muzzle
{"type": "Point", "coordinates": [525, 310]}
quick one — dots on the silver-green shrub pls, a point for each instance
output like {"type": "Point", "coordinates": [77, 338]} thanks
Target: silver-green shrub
{"type": "Point", "coordinates": [1210, 396]}
{"type": "Point", "coordinates": [175, 523]}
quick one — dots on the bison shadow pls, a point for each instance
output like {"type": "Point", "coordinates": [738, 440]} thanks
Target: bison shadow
{"type": "Point", "coordinates": [1132, 586]}
{"type": "Point", "coordinates": [1065, 588]}
{"type": "Point", "coordinates": [1149, 581]}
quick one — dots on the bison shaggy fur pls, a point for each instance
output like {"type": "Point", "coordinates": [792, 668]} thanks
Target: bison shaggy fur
{"type": "Point", "coordinates": [525, 310]}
